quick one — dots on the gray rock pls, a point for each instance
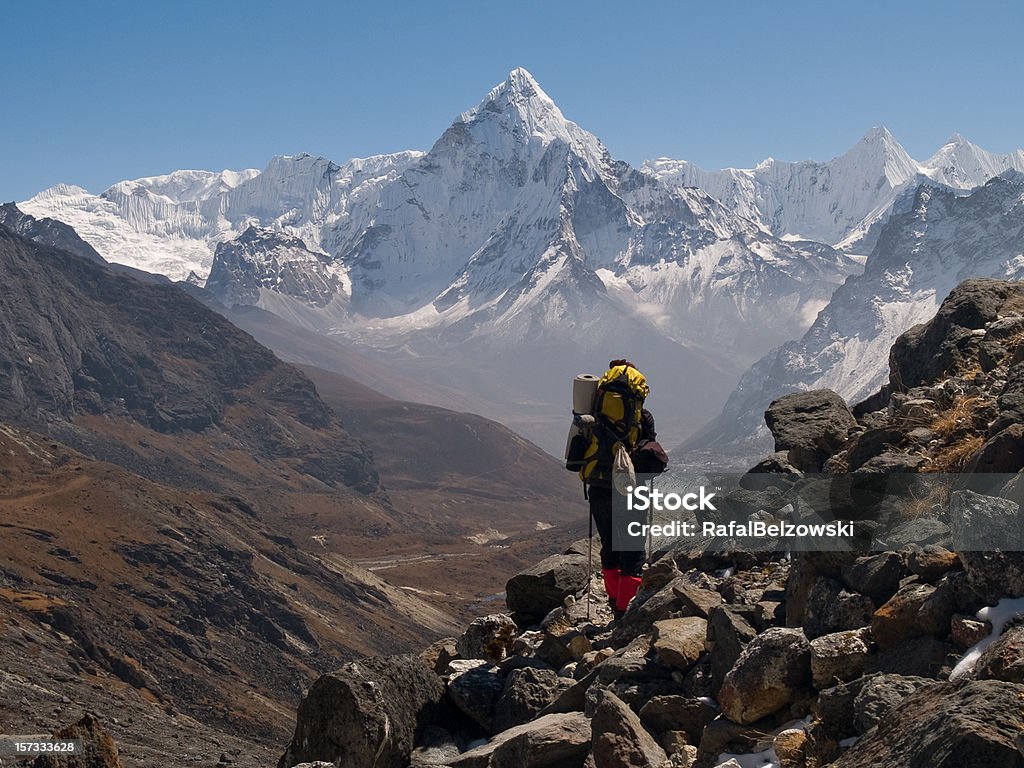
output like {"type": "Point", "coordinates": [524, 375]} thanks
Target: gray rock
{"type": "Point", "coordinates": [840, 656]}
{"type": "Point", "coordinates": [811, 426]}
{"type": "Point", "coordinates": [671, 713]}
{"type": "Point", "coordinates": [892, 462]}
{"type": "Point", "coordinates": [980, 522]}
{"type": "Point", "coordinates": [488, 637]}
{"type": "Point", "coordinates": [923, 656]}
{"type": "Point", "coordinates": [695, 600]}
{"type": "Point", "coordinates": [772, 670]}
{"type": "Point", "coordinates": [946, 726]}
{"type": "Point", "coordinates": [920, 533]}
{"type": "Point", "coordinates": [830, 608]}
{"type": "Point", "coordinates": [728, 634]}
{"type": "Point", "coordinates": [527, 691]}
{"type": "Point", "coordinates": [678, 643]}
{"type": "Point", "coordinates": [877, 576]}
{"type": "Point", "coordinates": [436, 747]}
{"type": "Point", "coordinates": [879, 694]}
{"type": "Point", "coordinates": [476, 693]}
{"type": "Point", "coordinates": [926, 353]}
{"type": "Point", "coordinates": [620, 739]}
{"type": "Point", "coordinates": [1011, 400]}
{"type": "Point", "coordinates": [551, 741]}
{"type": "Point", "coordinates": [872, 443]}
{"type": "Point", "coordinates": [366, 714]}
{"type": "Point", "coordinates": [994, 575]}
{"type": "Point", "coordinates": [535, 592]}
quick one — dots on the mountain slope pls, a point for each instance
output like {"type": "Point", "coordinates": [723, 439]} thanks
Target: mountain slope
{"type": "Point", "coordinates": [163, 477]}
{"type": "Point", "coordinates": [921, 255]}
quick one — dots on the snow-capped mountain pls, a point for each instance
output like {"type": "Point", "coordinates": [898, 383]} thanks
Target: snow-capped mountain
{"type": "Point", "coordinates": [921, 255]}
{"type": "Point", "coordinates": [516, 235]}
{"type": "Point", "coordinates": [963, 165]}
{"type": "Point", "coordinates": [517, 220]}
{"type": "Point", "coordinates": [839, 202]}
{"type": "Point", "coordinates": [171, 224]}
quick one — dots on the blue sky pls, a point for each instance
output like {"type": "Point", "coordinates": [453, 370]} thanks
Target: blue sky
{"type": "Point", "coordinates": [96, 92]}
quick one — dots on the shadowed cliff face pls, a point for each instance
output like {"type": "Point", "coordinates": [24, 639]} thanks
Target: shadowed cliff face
{"type": "Point", "coordinates": [78, 342]}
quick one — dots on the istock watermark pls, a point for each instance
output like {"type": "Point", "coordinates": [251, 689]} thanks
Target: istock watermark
{"type": "Point", "coordinates": [641, 498]}
{"type": "Point", "coordinates": [862, 512]}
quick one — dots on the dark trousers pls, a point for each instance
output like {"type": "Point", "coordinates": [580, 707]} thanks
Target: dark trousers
{"type": "Point", "coordinates": [630, 563]}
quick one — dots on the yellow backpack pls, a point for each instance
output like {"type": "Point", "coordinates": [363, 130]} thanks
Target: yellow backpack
{"type": "Point", "coordinates": [618, 403]}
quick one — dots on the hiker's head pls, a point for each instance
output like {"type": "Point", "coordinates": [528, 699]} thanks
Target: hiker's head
{"type": "Point", "coordinates": [615, 363]}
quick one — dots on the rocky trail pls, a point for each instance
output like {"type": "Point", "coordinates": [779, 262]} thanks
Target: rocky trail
{"type": "Point", "coordinates": [730, 658]}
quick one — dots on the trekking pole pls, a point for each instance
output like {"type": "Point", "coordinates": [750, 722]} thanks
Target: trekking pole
{"type": "Point", "coordinates": [590, 562]}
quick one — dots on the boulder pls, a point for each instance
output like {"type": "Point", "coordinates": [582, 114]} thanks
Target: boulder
{"type": "Point", "coordinates": [678, 643]}
{"type": "Point", "coordinates": [931, 562]}
{"type": "Point", "coordinates": [488, 637]}
{"type": "Point", "coordinates": [728, 633]}
{"type": "Point", "coordinates": [830, 608]}
{"type": "Point", "coordinates": [928, 352]}
{"type": "Point", "coordinates": [772, 671]}
{"type": "Point", "coordinates": [663, 714]}
{"type": "Point", "coordinates": [633, 680]}
{"type": "Point", "coordinates": [790, 746]}
{"type": "Point", "coordinates": [946, 726]}
{"type": "Point", "coordinates": [874, 442]}
{"type": "Point", "coordinates": [1001, 454]}
{"type": "Point", "coordinates": [535, 592]}
{"type": "Point", "coordinates": [435, 748]}
{"type": "Point", "coordinates": [527, 691]}
{"type": "Point", "coordinates": [881, 693]}
{"type": "Point", "coordinates": [696, 601]}
{"type": "Point", "coordinates": [811, 426]}
{"type": "Point", "coordinates": [840, 656]}
{"type": "Point", "coordinates": [98, 748]}
{"type": "Point", "coordinates": [915, 610]}
{"type": "Point", "coordinates": [980, 522]}
{"type": "Point", "coordinates": [877, 576]}
{"type": "Point", "coordinates": [476, 692]}
{"type": "Point", "coordinates": [1004, 658]}
{"type": "Point", "coordinates": [368, 713]}
{"type": "Point", "coordinates": [659, 573]}
{"type": "Point", "coordinates": [994, 575]}
{"type": "Point", "coordinates": [551, 741]}
{"type": "Point", "coordinates": [966, 631]}
{"type": "Point", "coordinates": [620, 739]}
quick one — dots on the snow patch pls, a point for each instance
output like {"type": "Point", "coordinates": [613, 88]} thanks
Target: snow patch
{"type": "Point", "coordinates": [999, 616]}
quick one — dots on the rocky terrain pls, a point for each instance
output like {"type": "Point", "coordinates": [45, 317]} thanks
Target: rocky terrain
{"type": "Point", "coordinates": [904, 656]}
{"type": "Point", "coordinates": [177, 505]}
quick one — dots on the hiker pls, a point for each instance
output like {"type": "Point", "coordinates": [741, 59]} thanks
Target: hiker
{"type": "Point", "coordinates": [621, 423]}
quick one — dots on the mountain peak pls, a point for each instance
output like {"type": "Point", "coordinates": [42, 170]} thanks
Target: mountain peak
{"type": "Point", "coordinates": [520, 98]}
{"type": "Point", "coordinates": [878, 133]}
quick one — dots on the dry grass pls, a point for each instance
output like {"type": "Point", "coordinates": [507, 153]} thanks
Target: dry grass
{"type": "Point", "coordinates": [925, 506]}
{"type": "Point", "coordinates": [953, 458]}
{"type": "Point", "coordinates": [959, 414]}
